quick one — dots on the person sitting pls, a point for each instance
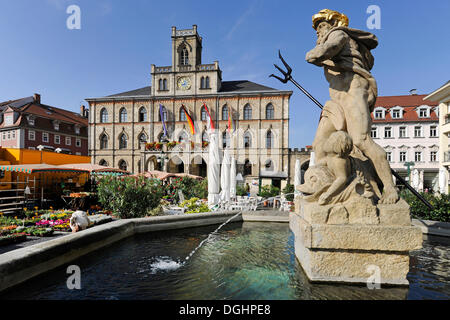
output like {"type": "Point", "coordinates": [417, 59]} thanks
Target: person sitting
{"type": "Point", "coordinates": [79, 221]}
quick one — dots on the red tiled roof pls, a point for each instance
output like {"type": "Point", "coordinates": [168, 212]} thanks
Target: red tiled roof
{"type": "Point", "coordinates": [409, 103]}
{"type": "Point", "coordinates": [54, 113]}
{"type": "Point", "coordinates": [404, 101]}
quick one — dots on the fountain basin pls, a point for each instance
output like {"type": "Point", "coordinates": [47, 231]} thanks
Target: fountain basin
{"type": "Point", "coordinates": [242, 261]}
{"type": "Point", "coordinates": [23, 264]}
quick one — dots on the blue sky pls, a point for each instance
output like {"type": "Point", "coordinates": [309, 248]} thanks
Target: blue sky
{"type": "Point", "coordinates": [119, 40]}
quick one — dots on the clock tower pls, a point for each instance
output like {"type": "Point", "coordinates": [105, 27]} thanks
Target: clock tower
{"type": "Point", "coordinates": [187, 75]}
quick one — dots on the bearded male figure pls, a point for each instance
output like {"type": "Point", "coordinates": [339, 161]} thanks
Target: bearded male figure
{"type": "Point", "coordinates": [344, 53]}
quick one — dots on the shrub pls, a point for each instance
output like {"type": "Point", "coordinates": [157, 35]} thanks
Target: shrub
{"type": "Point", "coordinates": [440, 203]}
{"type": "Point", "coordinates": [241, 191]}
{"type": "Point", "coordinates": [191, 188]}
{"type": "Point", "coordinates": [289, 190]}
{"type": "Point", "coordinates": [269, 191]}
{"type": "Point", "coordinates": [129, 197]}
{"type": "Point", "coordinates": [194, 206]}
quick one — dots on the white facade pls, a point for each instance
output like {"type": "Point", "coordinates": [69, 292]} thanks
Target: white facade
{"type": "Point", "coordinates": [409, 133]}
{"type": "Point", "coordinates": [442, 95]}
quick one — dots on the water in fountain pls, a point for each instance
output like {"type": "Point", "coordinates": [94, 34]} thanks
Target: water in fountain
{"type": "Point", "coordinates": [167, 264]}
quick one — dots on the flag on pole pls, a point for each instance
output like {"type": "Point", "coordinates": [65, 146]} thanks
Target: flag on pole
{"type": "Point", "coordinates": [161, 113]}
{"type": "Point", "coordinates": [211, 122]}
{"type": "Point", "coordinates": [189, 119]}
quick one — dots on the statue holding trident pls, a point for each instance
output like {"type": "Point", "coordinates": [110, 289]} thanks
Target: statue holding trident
{"type": "Point", "coordinates": [345, 222]}
{"type": "Point", "coordinates": [345, 55]}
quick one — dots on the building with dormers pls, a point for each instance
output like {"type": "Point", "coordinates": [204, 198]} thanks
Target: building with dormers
{"type": "Point", "coordinates": [123, 125]}
{"type": "Point", "coordinates": [27, 123]}
{"type": "Point", "coordinates": [407, 127]}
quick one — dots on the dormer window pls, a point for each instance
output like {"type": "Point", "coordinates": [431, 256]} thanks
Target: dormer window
{"type": "Point", "coordinates": [77, 129]}
{"type": "Point", "coordinates": [56, 125]}
{"type": "Point", "coordinates": [30, 120]}
{"type": "Point", "coordinates": [9, 119]}
{"type": "Point", "coordinates": [378, 113]}
{"type": "Point", "coordinates": [423, 112]}
{"type": "Point", "coordinates": [397, 113]}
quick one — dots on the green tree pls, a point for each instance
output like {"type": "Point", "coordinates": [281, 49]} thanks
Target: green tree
{"type": "Point", "coordinates": [129, 197]}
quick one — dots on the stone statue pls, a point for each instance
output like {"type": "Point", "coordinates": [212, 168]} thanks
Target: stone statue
{"type": "Point", "coordinates": [343, 225]}
{"type": "Point", "coordinates": [345, 55]}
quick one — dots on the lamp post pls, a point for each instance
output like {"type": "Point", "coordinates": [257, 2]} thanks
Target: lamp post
{"type": "Point", "coordinates": [40, 148]}
{"type": "Point", "coordinates": [408, 165]}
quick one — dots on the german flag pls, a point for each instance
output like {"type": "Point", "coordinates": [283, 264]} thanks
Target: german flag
{"type": "Point", "coordinates": [189, 120]}
{"type": "Point", "coordinates": [211, 123]}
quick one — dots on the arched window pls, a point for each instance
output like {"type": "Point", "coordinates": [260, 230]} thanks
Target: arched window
{"type": "Point", "coordinates": [202, 82]}
{"type": "Point", "coordinates": [123, 165]}
{"type": "Point", "coordinates": [207, 82]}
{"type": "Point", "coordinates": [204, 115]}
{"type": "Point", "coordinates": [270, 112]}
{"type": "Point", "coordinates": [183, 138]}
{"type": "Point", "coordinates": [161, 137]}
{"type": "Point", "coordinates": [104, 116]}
{"type": "Point", "coordinates": [142, 138]}
{"type": "Point", "coordinates": [103, 141]}
{"type": "Point", "coordinates": [160, 82]}
{"type": "Point", "coordinates": [269, 140]}
{"type": "Point", "coordinates": [247, 140]}
{"type": "Point", "coordinates": [247, 112]}
{"type": "Point", "coordinates": [103, 162]}
{"type": "Point", "coordinates": [165, 87]}
{"type": "Point", "coordinates": [123, 115]}
{"type": "Point", "coordinates": [269, 165]}
{"type": "Point", "coordinates": [205, 137]}
{"type": "Point", "coordinates": [247, 168]}
{"type": "Point", "coordinates": [142, 114]}
{"type": "Point", "coordinates": [225, 139]}
{"type": "Point", "coordinates": [123, 141]}
{"type": "Point", "coordinates": [225, 112]}
{"type": "Point", "coordinates": [164, 113]}
{"type": "Point", "coordinates": [182, 115]}
{"type": "Point", "coordinates": [184, 57]}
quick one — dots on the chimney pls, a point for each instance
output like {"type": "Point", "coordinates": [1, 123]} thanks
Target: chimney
{"type": "Point", "coordinates": [37, 98]}
{"type": "Point", "coordinates": [413, 92]}
{"type": "Point", "coordinates": [83, 111]}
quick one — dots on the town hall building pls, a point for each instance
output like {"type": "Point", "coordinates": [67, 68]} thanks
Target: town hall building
{"type": "Point", "coordinates": [126, 129]}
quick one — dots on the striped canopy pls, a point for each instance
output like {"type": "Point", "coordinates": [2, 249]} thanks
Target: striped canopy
{"type": "Point", "coordinates": [93, 168]}
{"type": "Point", "coordinates": [36, 168]}
{"type": "Point", "coordinates": [69, 168]}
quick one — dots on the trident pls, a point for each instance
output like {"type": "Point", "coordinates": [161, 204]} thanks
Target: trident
{"type": "Point", "coordinates": [288, 77]}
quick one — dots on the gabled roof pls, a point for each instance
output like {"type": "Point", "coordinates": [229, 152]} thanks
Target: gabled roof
{"type": "Point", "coordinates": [54, 113]}
{"type": "Point", "coordinates": [227, 87]}
{"type": "Point", "coordinates": [243, 86]}
{"type": "Point", "coordinates": [409, 103]}
{"type": "Point", "coordinates": [146, 91]}
{"type": "Point", "coordinates": [28, 105]}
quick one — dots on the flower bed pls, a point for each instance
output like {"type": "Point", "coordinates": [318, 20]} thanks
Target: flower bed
{"type": "Point", "coordinates": [6, 239]}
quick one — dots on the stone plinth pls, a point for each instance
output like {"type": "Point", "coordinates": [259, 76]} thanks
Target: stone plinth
{"type": "Point", "coordinates": [343, 242]}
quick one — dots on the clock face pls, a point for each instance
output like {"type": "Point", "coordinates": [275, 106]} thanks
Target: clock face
{"type": "Point", "coordinates": [184, 83]}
